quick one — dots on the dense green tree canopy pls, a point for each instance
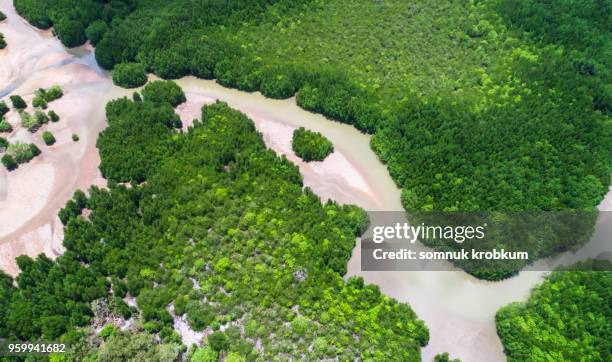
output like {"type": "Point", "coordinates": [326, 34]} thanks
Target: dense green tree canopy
{"type": "Point", "coordinates": [505, 109]}
{"type": "Point", "coordinates": [95, 31]}
{"type": "Point", "coordinates": [567, 318]}
{"type": "Point", "coordinates": [164, 92]}
{"type": "Point", "coordinates": [310, 146]}
{"type": "Point", "coordinates": [501, 105]}
{"type": "Point", "coordinates": [222, 229]}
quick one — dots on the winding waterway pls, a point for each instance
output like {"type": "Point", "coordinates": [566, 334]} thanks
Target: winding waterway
{"type": "Point", "coordinates": [458, 309]}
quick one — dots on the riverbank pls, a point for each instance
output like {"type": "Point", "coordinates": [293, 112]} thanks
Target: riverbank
{"type": "Point", "coordinates": [457, 308]}
{"type": "Point", "coordinates": [32, 195]}
{"type": "Point", "coordinates": [352, 174]}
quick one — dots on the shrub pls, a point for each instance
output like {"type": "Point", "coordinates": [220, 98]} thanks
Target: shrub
{"type": "Point", "coordinates": [34, 149]}
{"type": "Point", "coordinates": [161, 91]}
{"type": "Point", "coordinates": [48, 138]}
{"type": "Point", "coordinates": [218, 341]}
{"type": "Point", "coordinates": [234, 357]}
{"type": "Point", "coordinates": [311, 146]}
{"type": "Point", "coordinates": [3, 144]}
{"type": "Point", "coordinates": [3, 108]}
{"type": "Point", "coordinates": [2, 41]}
{"type": "Point", "coordinates": [22, 152]}
{"type": "Point", "coordinates": [39, 102]}
{"type": "Point", "coordinates": [53, 93]}
{"type": "Point", "coordinates": [42, 96]}
{"type": "Point", "coordinates": [5, 126]}
{"type": "Point", "coordinates": [29, 122]}
{"type": "Point", "coordinates": [205, 354]}
{"type": "Point", "coordinates": [18, 102]}
{"type": "Point", "coordinates": [75, 137]}
{"type": "Point", "coordinates": [53, 116]}
{"type": "Point", "coordinates": [444, 357]}
{"type": "Point", "coordinates": [41, 117]}
{"type": "Point", "coordinates": [70, 32]}
{"type": "Point", "coordinates": [129, 75]}
{"type": "Point", "coordinates": [2, 16]}
{"type": "Point", "coordinates": [9, 162]}
{"type": "Point", "coordinates": [95, 31]}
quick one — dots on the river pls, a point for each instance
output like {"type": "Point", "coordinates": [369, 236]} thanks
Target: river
{"type": "Point", "coordinates": [458, 309]}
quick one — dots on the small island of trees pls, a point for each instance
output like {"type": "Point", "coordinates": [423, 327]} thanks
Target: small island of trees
{"type": "Point", "coordinates": [310, 146]}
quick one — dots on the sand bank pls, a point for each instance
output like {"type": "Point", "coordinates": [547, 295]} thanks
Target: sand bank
{"type": "Point", "coordinates": [32, 195]}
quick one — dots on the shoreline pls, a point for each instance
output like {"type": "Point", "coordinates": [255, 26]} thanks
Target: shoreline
{"type": "Point", "coordinates": [32, 195]}
{"type": "Point", "coordinates": [456, 307]}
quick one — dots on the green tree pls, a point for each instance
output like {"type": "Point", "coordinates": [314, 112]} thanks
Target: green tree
{"type": "Point", "coordinates": [310, 146]}
{"type": "Point", "coordinates": [9, 162]}
{"type": "Point", "coordinates": [54, 117]}
{"type": "Point", "coordinates": [4, 109]}
{"type": "Point", "coordinates": [48, 138]}
{"type": "Point", "coordinates": [164, 91]}
{"type": "Point", "coordinates": [95, 31]}
{"type": "Point", "coordinates": [5, 126]}
{"type": "Point", "coordinates": [444, 357]}
{"type": "Point", "coordinates": [18, 102]}
{"type": "Point", "coordinates": [129, 75]}
{"type": "Point", "coordinates": [70, 32]}
{"type": "Point", "coordinates": [205, 354]}
{"type": "Point", "coordinates": [218, 341]}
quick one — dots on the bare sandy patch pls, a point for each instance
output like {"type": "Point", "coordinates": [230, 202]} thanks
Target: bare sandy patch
{"type": "Point", "coordinates": [333, 178]}
{"type": "Point", "coordinates": [606, 203]}
{"type": "Point", "coordinates": [31, 196]}
{"type": "Point", "coordinates": [192, 109]}
{"type": "Point", "coordinates": [45, 239]}
{"type": "Point", "coordinates": [27, 190]}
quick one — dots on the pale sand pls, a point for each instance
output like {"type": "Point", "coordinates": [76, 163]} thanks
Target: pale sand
{"type": "Point", "coordinates": [333, 178]}
{"type": "Point", "coordinates": [25, 194]}
{"type": "Point", "coordinates": [35, 192]}
{"type": "Point", "coordinates": [31, 196]}
{"type": "Point", "coordinates": [192, 109]}
{"type": "Point", "coordinates": [606, 203]}
{"type": "Point", "coordinates": [27, 50]}
{"type": "Point", "coordinates": [46, 239]}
